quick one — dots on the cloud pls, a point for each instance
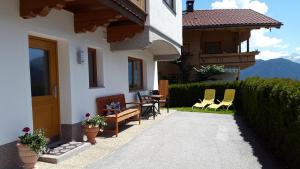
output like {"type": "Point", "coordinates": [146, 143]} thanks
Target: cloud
{"type": "Point", "coordinates": [246, 4]}
{"type": "Point", "coordinates": [298, 49]}
{"type": "Point", "coordinates": [266, 55]}
{"type": "Point", "coordinates": [224, 4]}
{"type": "Point", "coordinates": [295, 57]}
{"type": "Point", "coordinates": [261, 40]}
{"type": "Point", "coordinates": [258, 6]}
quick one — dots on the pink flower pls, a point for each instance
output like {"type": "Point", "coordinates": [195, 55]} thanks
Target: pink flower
{"type": "Point", "coordinates": [87, 115]}
{"type": "Point", "coordinates": [26, 129]}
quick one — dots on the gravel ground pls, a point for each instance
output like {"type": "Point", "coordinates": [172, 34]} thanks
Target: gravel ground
{"type": "Point", "coordinates": [104, 146]}
{"type": "Point", "coordinates": [192, 141]}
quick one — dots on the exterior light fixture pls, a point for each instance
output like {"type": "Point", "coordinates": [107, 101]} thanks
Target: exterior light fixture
{"type": "Point", "coordinates": [80, 57]}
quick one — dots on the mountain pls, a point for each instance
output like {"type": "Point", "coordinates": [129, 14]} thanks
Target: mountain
{"type": "Point", "coordinates": [295, 57]}
{"type": "Point", "coordinates": [281, 68]}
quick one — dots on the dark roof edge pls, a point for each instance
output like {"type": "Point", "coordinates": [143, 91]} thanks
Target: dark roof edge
{"type": "Point", "coordinates": [266, 25]}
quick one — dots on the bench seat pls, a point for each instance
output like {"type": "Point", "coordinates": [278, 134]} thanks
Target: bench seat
{"type": "Point", "coordinates": [119, 116]}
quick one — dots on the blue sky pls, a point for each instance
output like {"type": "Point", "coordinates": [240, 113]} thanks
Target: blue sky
{"type": "Point", "coordinates": [283, 42]}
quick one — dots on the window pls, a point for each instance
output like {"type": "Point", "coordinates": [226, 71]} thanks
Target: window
{"type": "Point", "coordinates": [92, 57]}
{"type": "Point", "coordinates": [170, 4]}
{"type": "Point", "coordinates": [212, 47]}
{"type": "Point", "coordinates": [40, 72]}
{"type": "Point", "coordinates": [135, 74]}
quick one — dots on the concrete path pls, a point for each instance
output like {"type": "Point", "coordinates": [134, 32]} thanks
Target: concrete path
{"type": "Point", "coordinates": [192, 141]}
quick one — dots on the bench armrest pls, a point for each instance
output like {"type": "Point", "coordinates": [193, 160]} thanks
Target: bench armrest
{"type": "Point", "coordinates": [134, 103]}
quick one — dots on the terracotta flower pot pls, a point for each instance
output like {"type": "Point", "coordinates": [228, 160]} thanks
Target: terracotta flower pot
{"type": "Point", "coordinates": [27, 156]}
{"type": "Point", "coordinates": [91, 133]}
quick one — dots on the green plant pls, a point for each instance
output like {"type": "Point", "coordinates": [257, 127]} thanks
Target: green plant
{"type": "Point", "coordinates": [94, 121]}
{"type": "Point", "coordinates": [36, 140]}
{"type": "Point", "coordinates": [196, 110]}
{"type": "Point", "coordinates": [206, 72]}
{"type": "Point", "coordinates": [186, 95]}
{"type": "Point", "coordinates": [184, 67]}
{"type": "Point", "coordinates": [271, 107]}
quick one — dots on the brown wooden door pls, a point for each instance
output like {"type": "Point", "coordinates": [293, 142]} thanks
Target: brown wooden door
{"type": "Point", "coordinates": [44, 85]}
{"type": "Point", "coordinates": [163, 87]}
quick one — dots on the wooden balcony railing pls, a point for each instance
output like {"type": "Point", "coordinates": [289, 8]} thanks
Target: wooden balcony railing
{"type": "Point", "coordinates": [242, 60]}
{"type": "Point", "coordinates": [140, 3]}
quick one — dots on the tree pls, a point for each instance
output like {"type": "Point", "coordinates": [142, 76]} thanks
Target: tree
{"type": "Point", "coordinates": [206, 72]}
{"type": "Point", "coordinates": [184, 67]}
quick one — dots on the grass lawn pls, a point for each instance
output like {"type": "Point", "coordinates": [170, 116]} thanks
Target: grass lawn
{"type": "Point", "coordinates": [189, 109]}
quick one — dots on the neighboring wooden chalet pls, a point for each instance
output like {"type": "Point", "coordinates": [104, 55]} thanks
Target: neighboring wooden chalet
{"type": "Point", "coordinates": [214, 37]}
{"type": "Point", "coordinates": [58, 56]}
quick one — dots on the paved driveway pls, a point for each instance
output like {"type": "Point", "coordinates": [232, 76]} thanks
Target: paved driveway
{"type": "Point", "coordinates": [191, 141]}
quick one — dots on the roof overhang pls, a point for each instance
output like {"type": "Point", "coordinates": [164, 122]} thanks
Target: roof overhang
{"type": "Point", "coordinates": [122, 18]}
{"type": "Point", "coordinates": [232, 26]}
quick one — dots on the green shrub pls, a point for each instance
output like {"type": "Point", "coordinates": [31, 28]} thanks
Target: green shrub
{"type": "Point", "coordinates": [270, 106]}
{"type": "Point", "coordinates": [186, 95]}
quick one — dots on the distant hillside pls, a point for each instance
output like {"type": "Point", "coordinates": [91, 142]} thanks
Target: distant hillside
{"type": "Point", "coordinates": [281, 68]}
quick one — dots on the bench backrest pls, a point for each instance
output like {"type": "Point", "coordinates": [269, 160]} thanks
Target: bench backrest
{"type": "Point", "coordinates": [103, 101]}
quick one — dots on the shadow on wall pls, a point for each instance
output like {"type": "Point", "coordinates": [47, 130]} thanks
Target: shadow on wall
{"type": "Point", "coordinates": [264, 157]}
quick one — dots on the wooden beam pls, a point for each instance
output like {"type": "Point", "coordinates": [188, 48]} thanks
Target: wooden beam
{"type": "Point", "coordinates": [127, 9]}
{"type": "Point", "coordinates": [121, 31]}
{"type": "Point", "coordinates": [90, 20]}
{"type": "Point", "coordinates": [123, 18]}
{"type": "Point", "coordinates": [33, 8]}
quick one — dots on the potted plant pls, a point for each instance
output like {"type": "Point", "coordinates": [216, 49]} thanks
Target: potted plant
{"type": "Point", "coordinates": [30, 145]}
{"type": "Point", "coordinates": [92, 125]}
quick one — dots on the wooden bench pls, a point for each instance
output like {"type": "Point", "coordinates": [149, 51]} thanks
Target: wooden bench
{"type": "Point", "coordinates": [132, 113]}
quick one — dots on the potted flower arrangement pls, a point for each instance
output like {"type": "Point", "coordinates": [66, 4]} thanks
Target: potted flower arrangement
{"type": "Point", "coordinates": [30, 145]}
{"type": "Point", "coordinates": [92, 125]}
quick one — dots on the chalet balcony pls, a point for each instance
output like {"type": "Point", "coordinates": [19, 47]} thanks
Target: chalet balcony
{"type": "Point", "coordinates": [242, 60]}
{"type": "Point", "coordinates": [140, 3]}
{"type": "Point", "coordinates": [122, 18]}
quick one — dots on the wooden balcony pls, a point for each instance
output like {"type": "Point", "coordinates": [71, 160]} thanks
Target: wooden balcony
{"type": "Point", "coordinates": [122, 18]}
{"type": "Point", "coordinates": [140, 3]}
{"type": "Point", "coordinates": [242, 60]}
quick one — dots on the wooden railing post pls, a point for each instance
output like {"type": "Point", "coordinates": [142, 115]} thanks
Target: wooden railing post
{"type": "Point", "coordinates": [248, 45]}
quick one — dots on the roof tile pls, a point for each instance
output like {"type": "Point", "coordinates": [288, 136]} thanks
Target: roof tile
{"type": "Point", "coordinates": [227, 18]}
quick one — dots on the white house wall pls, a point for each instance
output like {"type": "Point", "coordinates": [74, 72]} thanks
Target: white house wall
{"type": "Point", "coordinates": [75, 96]}
{"type": "Point", "coordinates": [165, 20]}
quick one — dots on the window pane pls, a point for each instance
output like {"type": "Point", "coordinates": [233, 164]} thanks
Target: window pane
{"type": "Point", "coordinates": [170, 3]}
{"type": "Point", "coordinates": [93, 81]}
{"type": "Point", "coordinates": [135, 72]}
{"type": "Point", "coordinates": [39, 72]}
{"type": "Point", "coordinates": [90, 71]}
{"type": "Point", "coordinates": [213, 47]}
{"type": "Point", "coordinates": [130, 71]}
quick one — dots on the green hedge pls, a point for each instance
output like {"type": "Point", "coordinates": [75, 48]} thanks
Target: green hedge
{"type": "Point", "coordinates": [270, 106]}
{"type": "Point", "coordinates": [186, 95]}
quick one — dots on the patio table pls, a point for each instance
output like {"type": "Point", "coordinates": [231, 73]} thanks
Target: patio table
{"type": "Point", "coordinates": [157, 99]}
